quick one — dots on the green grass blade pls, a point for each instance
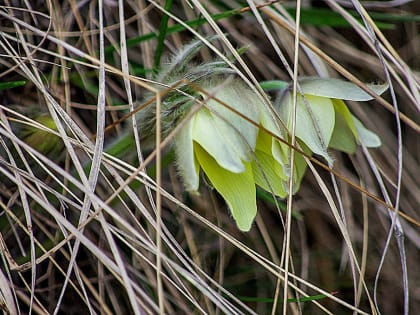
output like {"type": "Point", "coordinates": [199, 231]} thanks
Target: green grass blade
{"type": "Point", "coordinates": [273, 85]}
{"type": "Point", "coordinates": [11, 84]}
{"type": "Point", "coordinates": [326, 17]}
{"type": "Point", "coordinates": [175, 29]}
{"type": "Point", "coordinates": [162, 34]}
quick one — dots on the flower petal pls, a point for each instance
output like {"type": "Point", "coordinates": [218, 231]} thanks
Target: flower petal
{"type": "Point", "coordinates": [264, 142]}
{"type": "Point", "coordinates": [238, 189]}
{"type": "Point", "coordinates": [276, 149]}
{"type": "Point", "coordinates": [238, 132]}
{"type": "Point", "coordinates": [268, 173]}
{"type": "Point", "coordinates": [366, 137]}
{"type": "Point", "coordinates": [345, 134]}
{"type": "Point", "coordinates": [342, 110]}
{"type": "Point", "coordinates": [207, 133]}
{"type": "Point", "coordinates": [336, 88]}
{"type": "Point", "coordinates": [268, 122]}
{"type": "Point", "coordinates": [281, 153]}
{"type": "Point", "coordinates": [342, 138]}
{"type": "Point", "coordinates": [315, 120]}
{"type": "Point", "coordinates": [270, 144]}
{"type": "Point", "coordinates": [300, 166]}
{"type": "Point", "coordinates": [186, 162]}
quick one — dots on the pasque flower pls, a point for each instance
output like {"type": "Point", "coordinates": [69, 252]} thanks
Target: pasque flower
{"type": "Point", "coordinates": [234, 153]}
{"type": "Point", "coordinates": [241, 148]}
{"type": "Point", "coordinates": [322, 118]}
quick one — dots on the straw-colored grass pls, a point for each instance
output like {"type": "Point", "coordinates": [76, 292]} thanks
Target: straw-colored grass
{"type": "Point", "coordinates": [85, 231]}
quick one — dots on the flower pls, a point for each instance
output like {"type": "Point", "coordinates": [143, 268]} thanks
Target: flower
{"type": "Point", "coordinates": [238, 143]}
{"type": "Point", "coordinates": [229, 149]}
{"type": "Point", "coordinates": [222, 144]}
{"type": "Point", "coordinates": [237, 155]}
{"type": "Point", "coordinates": [323, 119]}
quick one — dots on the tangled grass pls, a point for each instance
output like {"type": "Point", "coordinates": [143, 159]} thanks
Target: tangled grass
{"type": "Point", "coordinates": [94, 218]}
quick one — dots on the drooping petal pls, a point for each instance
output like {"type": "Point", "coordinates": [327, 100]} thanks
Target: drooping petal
{"type": "Point", "coordinates": [264, 142]}
{"type": "Point", "coordinates": [268, 173]}
{"type": "Point", "coordinates": [271, 163]}
{"type": "Point", "coordinates": [300, 166]}
{"type": "Point", "coordinates": [345, 135]}
{"type": "Point", "coordinates": [268, 143]}
{"type": "Point", "coordinates": [315, 120]}
{"type": "Point", "coordinates": [238, 189]}
{"type": "Point", "coordinates": [239, 133]}
{"type": "Point", "coordinates": [272, 169]}
{"type": "Point", "coordinates": [366, 137]}
{"type": "Point", "coordinates": [336, 88]}
{"type": "Point", "coordinates": [281, 153]}
{"type": "Point", "coordinates": [207, 133]}
{"type": "Point", "coordinates": [342, 138]}
{"type": "Point", "coordinates": [184, 152]}
{"type": "Point", "coordinates": [271, 146]}
{"type": "Point", "coordinates": [267, 120]}
{"type": "Point", "coordinates": [342, 110]}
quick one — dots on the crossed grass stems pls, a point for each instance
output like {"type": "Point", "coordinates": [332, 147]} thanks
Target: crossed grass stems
{"type": "Point", "coordinates": [202, 103]}
{"type": "Point", "coordinates": [165, 142]}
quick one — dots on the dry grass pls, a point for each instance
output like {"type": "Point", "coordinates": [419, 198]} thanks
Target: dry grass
{"type": "Point", "coordinates": [82, 231]}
